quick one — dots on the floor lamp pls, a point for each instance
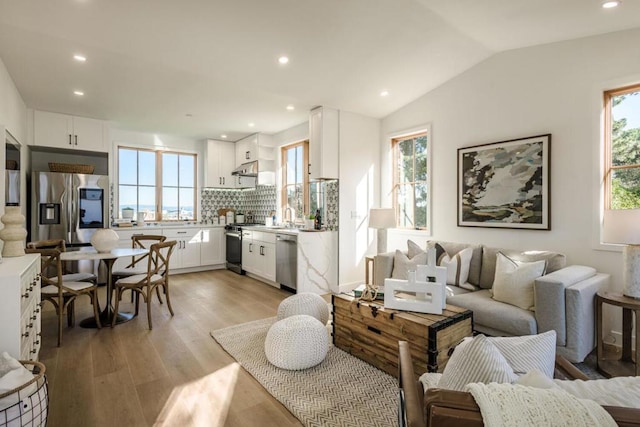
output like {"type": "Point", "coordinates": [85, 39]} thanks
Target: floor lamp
{"type": "Point", "coordinates": [623, 226]}
{"type": "Point", "coordinates": [382, 219]}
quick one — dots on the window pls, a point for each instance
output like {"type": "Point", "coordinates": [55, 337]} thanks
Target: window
{"type": "Point", "coordinates": [295, 180]}
{"type": "Point", "coordinates": [622, 148]}
{"type": "Point", "coordinates": [410, 180]}
{"type": "Point", "coordinates": [159, 183]}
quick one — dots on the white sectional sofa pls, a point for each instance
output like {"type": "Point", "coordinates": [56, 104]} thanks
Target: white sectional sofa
{"type": "Point", "coordinates": [564, 297]}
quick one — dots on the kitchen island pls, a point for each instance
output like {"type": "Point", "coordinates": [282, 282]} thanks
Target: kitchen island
{"type": "Point", "coordinates": [317, 258]}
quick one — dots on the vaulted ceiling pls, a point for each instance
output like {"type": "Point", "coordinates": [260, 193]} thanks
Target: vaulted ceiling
{"type": "Point", "coordinates": [204, 68]}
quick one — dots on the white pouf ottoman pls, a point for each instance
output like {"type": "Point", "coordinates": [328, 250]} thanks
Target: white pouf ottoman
{"type": "Point", "coordinates": [297, 342]}
{"type": "Point", "coordinates": [304, 303]}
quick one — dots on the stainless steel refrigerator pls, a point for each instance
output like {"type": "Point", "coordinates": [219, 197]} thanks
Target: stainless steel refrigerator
{"type": "Point", "coordinates": [70, 207]}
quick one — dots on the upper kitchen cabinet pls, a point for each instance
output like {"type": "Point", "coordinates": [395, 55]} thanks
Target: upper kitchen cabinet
{"type": "Point", "coordinates": [324, 138]}
{"type": "Point", "coordinates": [219, 158]}
{"type": "Point", "coordinates": [70, 132]}
{"type": "Point", "coordinates": [256, 148]}
{"type": "Point", "coordinates": [247, 149]}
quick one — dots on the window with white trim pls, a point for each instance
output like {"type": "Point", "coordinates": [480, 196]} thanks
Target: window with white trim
{"type": "Point", "coordinates": [410, 183]}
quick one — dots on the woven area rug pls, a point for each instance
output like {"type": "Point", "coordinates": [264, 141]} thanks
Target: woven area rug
{"type": "Point", "coordinates": [341, 391]}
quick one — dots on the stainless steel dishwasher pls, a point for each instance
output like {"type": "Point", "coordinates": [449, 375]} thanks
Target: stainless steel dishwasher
{"type": "Point", "coordinates": [287, 261]}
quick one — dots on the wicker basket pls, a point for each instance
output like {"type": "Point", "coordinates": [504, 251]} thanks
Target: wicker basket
{"type": "Point", "coordinates": [31, 400]}
{"type": "Point", "coordinates": [70, 168]}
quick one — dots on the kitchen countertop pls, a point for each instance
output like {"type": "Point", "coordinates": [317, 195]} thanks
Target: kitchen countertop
{"type": "Point", "coordinates": [151, 226]}
{"type": "Point", "coordinates": [282, 230]}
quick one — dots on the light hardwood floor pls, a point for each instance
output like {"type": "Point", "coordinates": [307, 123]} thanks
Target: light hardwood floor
{"type": "Point", "coordinates": [173, 375]}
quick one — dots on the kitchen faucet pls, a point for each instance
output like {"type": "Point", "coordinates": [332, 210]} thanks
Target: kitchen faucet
{"type": "Point", "coordinates": [290, 222]}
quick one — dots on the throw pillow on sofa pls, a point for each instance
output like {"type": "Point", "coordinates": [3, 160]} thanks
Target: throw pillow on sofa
{"type": "Point", "coordinates": [513, 283]}
{"type": "Point", "coordinates": [457, 266]}
{"type": "Point", "coordinates": [402, 263]}
{"type": "Point", "coordinates": [476, 360]}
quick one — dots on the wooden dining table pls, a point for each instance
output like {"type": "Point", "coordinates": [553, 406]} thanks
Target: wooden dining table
{"type": "Point", "coordinates": [109, 258]}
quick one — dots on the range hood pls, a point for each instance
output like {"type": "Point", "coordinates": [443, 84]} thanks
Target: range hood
{"type": "Point", "coordinates": [247, 169]}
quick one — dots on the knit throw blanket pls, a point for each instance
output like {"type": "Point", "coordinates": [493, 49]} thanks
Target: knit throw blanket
{"type": "Point", "coordinates": [520, 406]}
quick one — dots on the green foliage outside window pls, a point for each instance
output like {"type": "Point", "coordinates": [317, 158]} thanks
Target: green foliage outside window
{"type": "Point", "coordinates": [410, 183]}
{"type": "Point", "coordinates": [625, 153]}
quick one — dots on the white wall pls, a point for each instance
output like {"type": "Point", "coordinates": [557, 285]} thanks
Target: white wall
{"type": "Point", "coordinates": [359, 191]}
{"type": "Point", "coordinates": [555, 89]}
{"type": "Point", "coordinates": [13, 118]}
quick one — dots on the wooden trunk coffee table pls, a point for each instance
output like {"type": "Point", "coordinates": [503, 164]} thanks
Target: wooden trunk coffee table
{"type": "Point", "coordinates": [371, 332]}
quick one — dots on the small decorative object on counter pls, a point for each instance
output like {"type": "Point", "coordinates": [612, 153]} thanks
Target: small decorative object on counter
{"type": "Point", "coordinates": [140, 219]}
{"type": "Point", "coordinates": [240, 218]}
{"type": "Point", "coordinates": [127, 213]}
{"type": "Point", "coordinates": [13, 233]}
{"type": "Point", "coordinates": [311, 222]}
{"type": "Point", "coordinates": [317, 221]}
{"type": "Point", "coordinates": [104, 240]}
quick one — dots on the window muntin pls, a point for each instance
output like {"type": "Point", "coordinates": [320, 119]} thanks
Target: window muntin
{"type": "Point", "coordinates": [295, 180]}
{"type": "Point", "coordinates": [410, 195]}
{"type": "Point", "coordinates": [159, 183]}
{"type": "Point", "coordinates": [622, 148]}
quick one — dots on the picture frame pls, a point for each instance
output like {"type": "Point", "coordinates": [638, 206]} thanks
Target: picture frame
{"type": "Point", "coordinates": [506, 184]}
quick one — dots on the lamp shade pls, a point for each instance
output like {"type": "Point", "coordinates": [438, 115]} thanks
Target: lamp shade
{"type": "Point", "coordinates": [382, 218]}
{"type": "Point", "coordinates": [621, 226]}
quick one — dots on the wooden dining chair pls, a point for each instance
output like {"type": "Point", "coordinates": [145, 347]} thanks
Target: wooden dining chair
{"type": "Point", "coordinates": [137, 266]}
{"type": "Point", "coordinates": [60, 245]}
{"type": "Point", "coordinates": [156, 277]}
{"type": "Point", "coordinates": [62, 294]}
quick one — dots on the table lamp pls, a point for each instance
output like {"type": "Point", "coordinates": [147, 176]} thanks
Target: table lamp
{"type": "Point", "coordinates": [623, 226]}
{"type": "Point", "coordinates": [381, 219]}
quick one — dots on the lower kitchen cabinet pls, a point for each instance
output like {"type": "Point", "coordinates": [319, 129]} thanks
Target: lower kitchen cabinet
{"type": "Point", "coordinates": [186, 253]}
{"type": "Point", "coordinates": [259, 254]}
{"type": "Point", "coordinates": [212, 246]}
{"type": "Point", "coordinates": [195, 247]}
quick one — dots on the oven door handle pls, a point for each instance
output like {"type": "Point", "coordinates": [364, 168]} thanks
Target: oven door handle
{"type": "Point", "coordinates": [236, 235]}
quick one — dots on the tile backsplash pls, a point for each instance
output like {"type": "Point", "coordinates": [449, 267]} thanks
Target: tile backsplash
{"type": "Point", "coordinates": [259, 201]}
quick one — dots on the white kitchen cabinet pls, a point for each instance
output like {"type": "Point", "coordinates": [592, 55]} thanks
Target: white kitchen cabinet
{"type": "Point", "coordinates": [324, 142]}
{"type": "Point", "coordinates": [257, 147]}
{"type": "Point", "coordinates": [246, 149]}
{"type": "Point", "coordinates": [220, 158]}
{"type": "Point", "coordinates": [212, 246]}
{"type": "Point", "coordinates": [70, 132]}
{"type": "Point", "coordinates": [20, 334]}
{"type": "Point", "coordinates": [186, 253]}
{"type": "Point", "coordinates": [259, 254]}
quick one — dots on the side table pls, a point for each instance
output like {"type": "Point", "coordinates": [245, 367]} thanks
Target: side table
{"type": "Point", "coordinates": [625, 366]}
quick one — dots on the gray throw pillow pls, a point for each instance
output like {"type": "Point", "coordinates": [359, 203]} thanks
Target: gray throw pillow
{"type": "Point", "coordinates": [402, 263]}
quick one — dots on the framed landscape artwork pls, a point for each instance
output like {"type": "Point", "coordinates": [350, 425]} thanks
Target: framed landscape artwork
{"type": "Point", "coordinates": [505, 184]}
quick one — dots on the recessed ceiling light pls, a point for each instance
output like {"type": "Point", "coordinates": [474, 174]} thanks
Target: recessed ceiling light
{"type": "Point", "coordinates": [251, 125]}
{"type": "Point", "coordinates": [384, 93]}
{"type": "Point", "coordinates": [290, 107]}
{"type": "Point", "coordinates": [78, 92]}
{"type": "Point", "coordinates": [80, 58]}
{"type": "Point", "coordinates": [188, 115]}
{"type": "Point", "coordinates": [611, 4]}
{"type": "Point", "coordinates": [223, 136]}
{"type": "Point", "coordinates": [283, 60]}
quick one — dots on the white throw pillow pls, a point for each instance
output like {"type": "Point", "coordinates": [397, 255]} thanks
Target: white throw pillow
{"type": "Point", "coordinates": [402, 263]}
{"type": "Point", "coordinates": [536, 379]}
{"type": "Point", "coordinates": [476, 360]}
{"type": "Point", "coordinates": [513, 282]}
{"type": "Point", "coordinates": [529, 352]}
{"type": "Point", "coordinates": [457, 266]}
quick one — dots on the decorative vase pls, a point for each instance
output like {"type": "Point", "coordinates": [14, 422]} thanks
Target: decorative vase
{"type": "Point", "coordinates": [104, 240]}
{"type": "Point", "coordinates": [13, 234]}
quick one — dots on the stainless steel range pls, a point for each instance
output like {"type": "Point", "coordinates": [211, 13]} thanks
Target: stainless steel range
{"type": "Point", "coordinates": [233, 234]}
